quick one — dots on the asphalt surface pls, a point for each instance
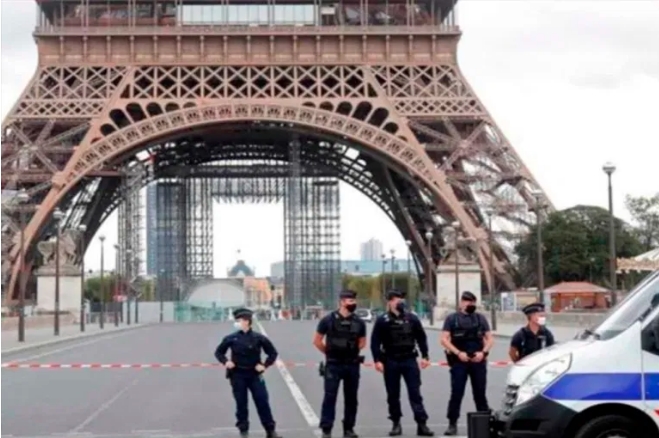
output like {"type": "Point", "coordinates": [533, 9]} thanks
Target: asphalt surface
{"type": "Point", "coordinates": [197, 402]}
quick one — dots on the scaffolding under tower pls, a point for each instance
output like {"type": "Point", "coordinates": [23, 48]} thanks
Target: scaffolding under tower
{"type": "Point", "coordinates": [180, 223]}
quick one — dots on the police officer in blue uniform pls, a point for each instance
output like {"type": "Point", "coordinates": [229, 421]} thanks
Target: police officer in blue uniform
{"type": "Point", "coordinates": [341, 335]}
{"type": "Point", "coordinates": [467, 339]}
{"type": "Point", "coordinates": [532, 337]}
{"type": "Point", "coordinates": [245, 371]}
{"type": "Point", "coordinates": [394, 341]}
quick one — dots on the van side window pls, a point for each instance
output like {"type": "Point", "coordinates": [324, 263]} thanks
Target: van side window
{"type": "Point", "coordinates": [650, 337]}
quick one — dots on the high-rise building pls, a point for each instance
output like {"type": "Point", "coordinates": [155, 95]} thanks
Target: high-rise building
{"type": "Point", "coordinates": [151, 230]}
{"type": "Point", "coordinates": [371, 250]}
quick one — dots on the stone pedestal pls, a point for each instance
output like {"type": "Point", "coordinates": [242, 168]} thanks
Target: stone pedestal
{"type": "Point", "coordinates": [470, 279]}
{"type": "Point", "coordinates": [70, 291]}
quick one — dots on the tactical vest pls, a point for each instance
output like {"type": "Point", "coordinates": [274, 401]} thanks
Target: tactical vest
{"type": "Point", "coordinates": [343, 338]}
{"type": "Point", "coordinates": [532, 343]}
{"type": "Point", "coordinates": [461, 334]}
{"type": "Point", "coordinates": [401, 336]}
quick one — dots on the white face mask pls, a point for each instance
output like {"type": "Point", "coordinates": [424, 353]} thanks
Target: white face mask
{"type": "Point", "coordinates": [238, 325]}
{"type": "Point", "coordinates": [542, 320]}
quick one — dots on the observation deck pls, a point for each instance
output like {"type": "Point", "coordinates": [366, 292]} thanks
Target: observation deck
{"type": "Point", "coordinates": [246, 31]}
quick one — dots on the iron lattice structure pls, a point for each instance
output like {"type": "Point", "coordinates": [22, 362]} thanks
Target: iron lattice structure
{"type": "Point", "coordinates": [121, 81]}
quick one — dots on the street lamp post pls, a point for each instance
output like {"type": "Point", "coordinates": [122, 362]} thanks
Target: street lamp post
{"type": "Point", "coordinates": [541, 268]}
{"type": "Point", "coordinates": [609, 168]}
{"type": "Point", "coordinates": [127, 284]}
{"type": "Point", "coordinates": [393, 261]}
{"type": "Point", "coordinates": [137, 295]}
{"type": "Point", "coordinates": [429, 279]}
{"type": "Point", "coordinates": [101, 319]}
{"type": "Point", "coordinates": [490, 238]}
{"type": "Point", "coordinates": [58, 215]}
{"type": "Point", "coordinates": [161, 289]}
{"type": "Point", "coordinates": [409, 267]}
{"type": "Point", "coordinates": [456, 255]}
{"type": "Point", "coordinates": [82, 228]}
{"type": "Point", "coordinates": [384, 282]}
{"type": "Point", "coordinates": [118, 283]}
{"type": "Point", "coordinates": [22, 196]}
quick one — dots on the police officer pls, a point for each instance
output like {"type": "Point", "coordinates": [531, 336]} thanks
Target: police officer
{"type": "Point", "coordinates": [340, 336]}
{"type": "Point", "coordinates": [245, 371]}
{"type": "Point", "coordinates": [532, 337]}
{"type": "Point", "coordinates": [467, 338]}
{"type": "Point", "coordinates": [394, 339]}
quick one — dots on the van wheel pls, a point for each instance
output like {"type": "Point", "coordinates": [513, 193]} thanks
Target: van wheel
{"type": "Point", "coordinates": [609, 426]}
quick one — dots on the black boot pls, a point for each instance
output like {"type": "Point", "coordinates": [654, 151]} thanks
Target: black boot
{"type": "Point", "coordinates": [423, 430]}
{"type": "Point", "coordinates": [272, 434]}
{"type": "Point", "coordinates": [452, 430]}
{"type": "Point", "coordinates": [327, 433]}
{"type": "Point", "coordinates": [396, 429]}
{"type": "Point", "coordinates": [350, 434]}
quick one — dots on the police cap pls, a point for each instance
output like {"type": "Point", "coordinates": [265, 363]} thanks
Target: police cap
{"type": "Point", "coordinates": [394, 293]}
{"type": "Point", "coordinates": [533, 308]}
{"type": "Point", "coordinates": [242, 313]}
{"type": "Point", "coordinates": [347, 294]}
{"type": "Point", "coordinates": [468, 296]}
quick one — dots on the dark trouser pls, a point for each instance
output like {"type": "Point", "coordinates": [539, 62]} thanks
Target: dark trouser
{"type": "Point", "coordinates": [335, 372]}
{"type": "Point", "coordinates": [242, 382]}
{"type": "Point", "coordinates": [460, 372]}
{"type": "Point", "coordinates": [409, 370]}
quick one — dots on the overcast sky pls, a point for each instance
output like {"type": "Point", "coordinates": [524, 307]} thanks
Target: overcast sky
{"type": "Point", "coordinates": [573, 84]}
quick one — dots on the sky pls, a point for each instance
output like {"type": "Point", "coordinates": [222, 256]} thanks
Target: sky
{"type": "Point", "coordinates": [572, 84]}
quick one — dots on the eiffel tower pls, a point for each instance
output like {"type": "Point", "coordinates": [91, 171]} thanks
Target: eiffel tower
{"type": "Point", "coordinates": [119, 81]}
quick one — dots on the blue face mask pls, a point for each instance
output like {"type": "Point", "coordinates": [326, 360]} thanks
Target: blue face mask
{"type": "Point", "coordinates": [401, 306]}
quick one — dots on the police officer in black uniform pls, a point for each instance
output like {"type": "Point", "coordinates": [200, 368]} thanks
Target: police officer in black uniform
{"type": "Point", "coordinates": [467, 338]}
{"type": "Point", "coordinates": [394, 341]}
{"type": "Point", "coordinates": [245, 371]}
{"type": "Point", "coordinates": [344, 336]}
{"type": "Point", "coordinates": [532, 337]}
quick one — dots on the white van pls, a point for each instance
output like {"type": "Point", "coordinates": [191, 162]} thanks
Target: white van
{"type": "Point", "coordinates": [603, 385]}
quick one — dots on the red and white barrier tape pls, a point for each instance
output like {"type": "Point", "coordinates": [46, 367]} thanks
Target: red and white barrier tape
{"type": "Point", "coordinates": [12, 365]}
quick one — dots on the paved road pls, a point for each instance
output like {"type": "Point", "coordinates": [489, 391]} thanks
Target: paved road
{"type": "Point", "coordinates": [192, 402]}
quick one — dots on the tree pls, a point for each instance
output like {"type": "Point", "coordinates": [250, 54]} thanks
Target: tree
{"type": "Point", "coordinates": [576, 246]}
{"type": "Point", "coordinates": [93, 287]}
{"type": "Point", "coordinates": [645, 215]}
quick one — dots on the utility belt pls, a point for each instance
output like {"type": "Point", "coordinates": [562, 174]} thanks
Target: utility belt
{"type": "Point", "coordinates": [242, 370]}
{"type": "Point", "coordinates": [453, 359]}
{"type": "Point", "coordinates": [322, 366]}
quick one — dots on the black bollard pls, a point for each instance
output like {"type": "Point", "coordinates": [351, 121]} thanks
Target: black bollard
{"type": "Point", "coordinates": [479, 425]}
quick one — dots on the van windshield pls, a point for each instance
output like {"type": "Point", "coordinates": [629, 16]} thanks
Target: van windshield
{"type": "Point", "coordinates": [636, 305]}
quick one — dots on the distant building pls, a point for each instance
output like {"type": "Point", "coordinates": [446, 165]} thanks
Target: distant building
{"type": "Point", "coordinates": [371, 250]}
{"type": "Point", "coordinates": [240, 269]}
{"type": "Point", "coordinates": [151, 230]}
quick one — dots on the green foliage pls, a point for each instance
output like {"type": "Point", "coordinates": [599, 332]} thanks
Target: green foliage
{"type": "Point", "coordinates": [371, 290]}
{"type": "Point", "coordinates": [93, 288]}
{"type": "Point", "coordinates": [576, 246]}
{"type": "Point", "coordinates": [645, 215]}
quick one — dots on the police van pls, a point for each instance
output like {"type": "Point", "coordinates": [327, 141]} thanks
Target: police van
{"type": "Point", "coordinates": [604, 384]}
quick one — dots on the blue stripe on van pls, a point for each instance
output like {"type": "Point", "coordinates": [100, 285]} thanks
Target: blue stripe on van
{"type": "Point", "coordinates": [597, 387]}
{"type": "Point", "coordinates": [604, 386]}
{"type": "Point", "coordinates": [652, 386]}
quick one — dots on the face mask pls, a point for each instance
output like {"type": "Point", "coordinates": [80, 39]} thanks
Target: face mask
{"type": "Point", "coordinates": [542, 320]}
{"type": "Point", "coordinates": [400, 306]}
{"type": "Point", "coordinates": [471, 308]}
{"type": "Point", "coordinates": [351, 307]}
{"type": "Point", "coordinates": [239, 325]}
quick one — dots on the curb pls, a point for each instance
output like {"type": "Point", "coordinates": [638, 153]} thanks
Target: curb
{"type": "Point", "coordinates": [70, 338]}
